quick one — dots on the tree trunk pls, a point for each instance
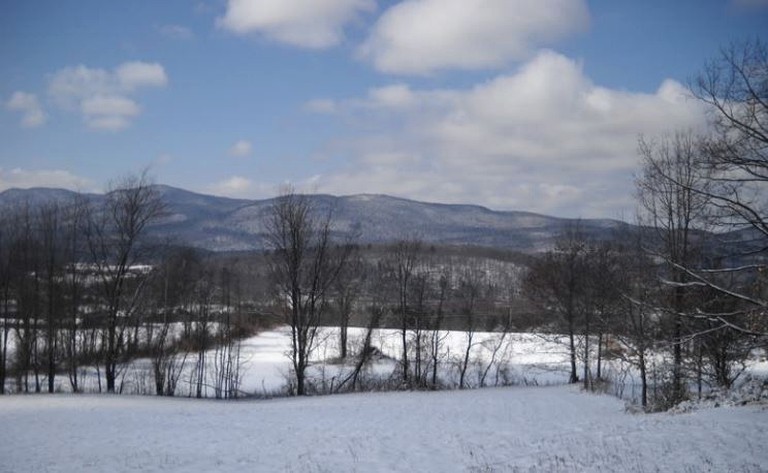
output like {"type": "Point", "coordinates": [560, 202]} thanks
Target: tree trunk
{"type": "Point", "coordinates": [109, 365]}
{"type": "Point", "coordinates": [600, 355]}
{"type": "Point", "coordinates": [643, 379]}
{"type": "Point", "coordinates": [343, 335]}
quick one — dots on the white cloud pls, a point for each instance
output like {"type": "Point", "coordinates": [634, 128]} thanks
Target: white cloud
{"type": "Point", "coordinates": [423, 36]}
{"type": "Point", "coordinates": [235, 186]}
{"type": "Point", "coordinates": [136, 74]}
{"type": "Point", "coordinates": [109, 105]}
{"type": "Point", "coordinates": [109, 112]}
{"type": "Point", "coordinates": [32, 114]}
{"type": "Point", "coordinates": [243, 187]}
{"type": "Point", "coordinates": [543, 138]}
{"type": "Point", "coordinates": [304, 23]}
{"type": "Point", "coordinates": [105, 98]}
{"type": "Point", "coordinates": [177, 32]}
{"type": "Point", "coordinates": [25, 179]}
{"type": "Point", "coordinates": [241, 148]}
{"type": "Point", "coordinates": [395, 96]}
{"type": "Point", "coordinates": [70, 85]}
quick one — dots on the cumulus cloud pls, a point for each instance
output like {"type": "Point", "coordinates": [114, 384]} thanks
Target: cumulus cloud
{"type": "Point", "coordinates": [542, 138]}
{"type": "Point", "coordinates": [423, 36]}
{"type": "Point", "coordinates": [393, 96]}
{"type": "Point", "coordinates": [313, 24]}
{"type": "Point", "coordinates": [109, 112]}
{"type": "Point", "coordinates": [241, 149]}
{"type": "Point", "coordinates": [133, 75]}
{"type": "Point", "coordinates": [243, 187]}
{"type": "Point", "coordinates": [25, 179]}
{"type": "Point", "coordinates": [235, 186]}
{"type": "Point", "coordinates": [105, 99]}
{"type": "Point", "coordinates": [32, 114]}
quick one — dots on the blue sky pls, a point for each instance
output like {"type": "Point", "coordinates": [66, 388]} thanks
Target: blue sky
{"type": "Point", "coordinates": [512, 104]}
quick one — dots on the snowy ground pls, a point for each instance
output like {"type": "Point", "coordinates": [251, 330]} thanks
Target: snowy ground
{"type": "Point", "coordinates": [516, 429]}
{"type": "Point", "coordinates": [522, 359]}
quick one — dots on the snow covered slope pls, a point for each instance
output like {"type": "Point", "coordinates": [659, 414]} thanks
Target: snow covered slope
{"type": "Point", "coordinates": [223, 224]}
{"type": "Point", "coordinates": [544, 429]}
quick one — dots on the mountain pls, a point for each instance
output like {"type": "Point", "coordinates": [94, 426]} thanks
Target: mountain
{"type": "Point", "coordinates": [225, 224]}
{"type": "Point", "coordinates": [37, 196]}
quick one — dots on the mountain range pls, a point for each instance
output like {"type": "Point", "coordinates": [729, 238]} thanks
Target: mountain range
{"type": "Point", "coordinates": [226, 224]}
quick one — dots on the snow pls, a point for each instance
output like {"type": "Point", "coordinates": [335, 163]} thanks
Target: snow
{"type": "Point", "coordinates": [514, 429]}
{"type": "Point", "coordinates": [524, 359]}
{"type": "Point", "coordinates": [528, 358]}
{"type": "Point", "coordinates": [525, 429]}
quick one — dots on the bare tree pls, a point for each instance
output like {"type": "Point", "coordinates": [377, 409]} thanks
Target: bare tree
{"type": "Point", "coordinates": [204, 294]}
{"type": "Point", "coordinates": [27, 286]}
{"type": "Point", "coordinates": [305, 264]}
{"type": "Point", "coordinates": [469, 292]}
{"type": "Point", "coordinates": [74, 214]}
{"type": "Point", "coordinates": [347, 290]}
{"type": "Point", "coordinates": [555, 282]}
{"type": "Point", "coordinates": [6, 298]}
{"type": "Point", "coordinates": [635, 321]}
{"type": "Point", "coordinates": [734, 87]}
{"type": "Point", "coordinates": [437, 336]}
{"type": "Point", "coordinates": [404, 262]}
{"type": "Point", "coordinates": [722, 351]}
{"type": "Point", "coordinates": [173, 295]}
{"type": "Point", "coordinates": [498, 346]}
{"type": "Point", "coordinates": [50, 227]}
{"type": "Point", "coordinates": [421, 291]}
{"type": "Point", "coordinates": [603, 266]}
{"type": "Point", "coordinates": [670, 171]}
{"type": "Point", "coordinates": [227, 361]}
{"type": "Point", "coordinates": [161, 343]}
{"type": "Point", "coordinates": [114, 234]}
{"type": "Point", "coordinates": [376, 309]}
{"type": "Point", "coordinates": [720, 181]}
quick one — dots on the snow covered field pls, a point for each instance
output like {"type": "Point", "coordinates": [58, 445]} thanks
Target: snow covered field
{"type": "Point", "coordinates": [521, 359]}
{"type": "Point", "coordinates": [516, 429]}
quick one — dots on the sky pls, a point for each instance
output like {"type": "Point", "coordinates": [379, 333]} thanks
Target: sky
{"type": "Point", "coordinates": [530, 105]}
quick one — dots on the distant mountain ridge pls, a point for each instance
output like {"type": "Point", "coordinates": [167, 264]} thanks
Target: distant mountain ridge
{"type": "Point", "coordinates": [227, 224]}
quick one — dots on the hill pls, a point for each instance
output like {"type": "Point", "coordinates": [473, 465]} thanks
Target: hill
{"type": "Point", "coordinates": [225, 224]}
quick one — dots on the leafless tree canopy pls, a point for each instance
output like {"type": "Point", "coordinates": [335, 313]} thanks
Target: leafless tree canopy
{"type": "Point", "coordinates": [305, 263]}
{"type": "Point", "coordinates": [113, 233]}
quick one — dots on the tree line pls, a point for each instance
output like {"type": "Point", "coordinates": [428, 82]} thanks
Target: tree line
{"type": "Point", "coordinates": [86, 289]}
{"type": "Point", "coordinates": [689, 282]}
{"type": "Point", "coordinates": [681, 296]}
